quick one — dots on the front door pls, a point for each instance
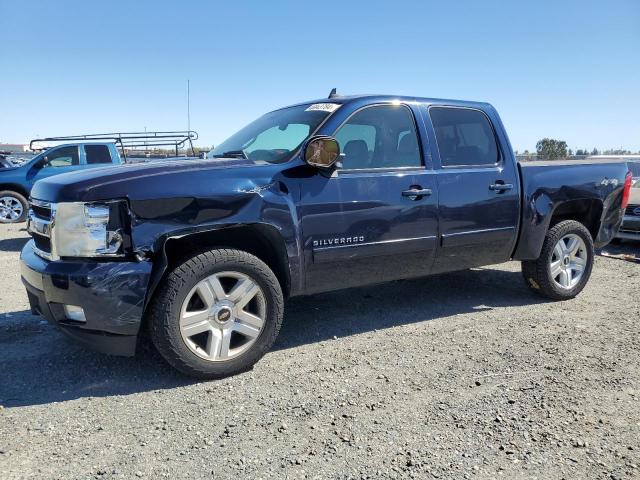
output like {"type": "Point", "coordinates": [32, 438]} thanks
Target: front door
{"type": "Point", "coordinates": [375, 218]}
{"type": "Point", "coordinates": [57, 160]}
{"type": "Point", "coordinates": [479, 203]}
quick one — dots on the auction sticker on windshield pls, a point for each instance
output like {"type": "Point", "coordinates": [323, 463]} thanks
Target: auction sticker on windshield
{"type": "Point", "coordinates": [325, 107]}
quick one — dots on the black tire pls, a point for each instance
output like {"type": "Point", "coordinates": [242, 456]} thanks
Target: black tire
{"type": "Point", "coordinates": [164, 312]}
{"type": "Point", "coordinates": [537, 273]}
{"type": "Point", "coordinates": [23, 202]}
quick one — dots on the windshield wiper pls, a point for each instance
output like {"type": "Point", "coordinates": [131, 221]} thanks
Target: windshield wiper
{"type": "Point", "coordinates": [232, 154]}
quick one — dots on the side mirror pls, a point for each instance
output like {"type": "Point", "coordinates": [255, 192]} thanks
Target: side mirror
{"type": "Point", "coordinates": [321, 151]}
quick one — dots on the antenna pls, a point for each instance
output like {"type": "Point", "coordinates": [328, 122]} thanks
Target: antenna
{"type": "Point", "coordinates": [333, 93]}
{"type": "Point", "coordinates": [188, 107]}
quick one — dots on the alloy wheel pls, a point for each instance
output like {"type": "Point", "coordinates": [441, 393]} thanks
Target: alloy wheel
{"type": "Point", "coordinates": [222, 316]}
{"type": "Point", "coordinates": [10, 209]}
{"type": "Point", "coordinates": [568, 261]}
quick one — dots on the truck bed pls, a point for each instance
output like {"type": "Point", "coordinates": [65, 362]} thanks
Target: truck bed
{"type": "Point", "coordinates": [550, 186]}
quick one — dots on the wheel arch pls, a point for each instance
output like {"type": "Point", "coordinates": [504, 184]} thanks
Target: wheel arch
{"type": "Point", "coordinates": [14, 187]}
{"type": "Point", "coordinates": [259, 239]}
{"type": "Point", "coordinates": [587, 211]}
{"type": "Point", "coordinates": [542, 214]}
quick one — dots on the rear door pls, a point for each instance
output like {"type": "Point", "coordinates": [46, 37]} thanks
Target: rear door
{"type": "Point", "coordinates": [479, 204]}
{"type": "Point", "coordinates": [375, 218]}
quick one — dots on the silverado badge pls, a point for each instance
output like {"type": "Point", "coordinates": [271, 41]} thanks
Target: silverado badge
{"type": "Point", "coordinates": [337, 241]}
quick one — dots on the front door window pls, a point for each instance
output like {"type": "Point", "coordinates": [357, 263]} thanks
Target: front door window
{"type": "Point", "coordinates": [382, 136]}
{"type": "Point", "coordinates": [62, 157]}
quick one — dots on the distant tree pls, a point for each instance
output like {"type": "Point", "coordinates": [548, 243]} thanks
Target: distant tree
{"type": "Point", "coordinates": [618, 151]}
{"type": "Point", "coordinates": [580, 152]}
{"type": "Point", "coordinates": [526, 152]}
{"type": "Point", "coordinates": [595, 151]}
{"type": "Point", "coordinates": [570, 152]}
{"type": "Point", "coordinates": [551, 149]}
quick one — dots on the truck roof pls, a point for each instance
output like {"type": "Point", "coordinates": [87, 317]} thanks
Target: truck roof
{"type": "Point", "coordinates": [374, 98]}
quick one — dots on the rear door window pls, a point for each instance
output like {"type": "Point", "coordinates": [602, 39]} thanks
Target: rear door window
{"type": "Point", "coordinates": [464, 136]}
{"type": "Point", "coordinates": [97, 154]}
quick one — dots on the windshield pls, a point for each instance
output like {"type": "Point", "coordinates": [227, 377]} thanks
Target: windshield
{"type": "Point", "coordinates": [274, 136]}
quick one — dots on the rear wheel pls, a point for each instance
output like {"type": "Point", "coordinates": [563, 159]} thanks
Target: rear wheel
{"type": "Point", "coordinates": [217, 313]}
{"type": "Point", "coordinates": [565, 263]}
{"type": "Point", "coordinates": [13, 207]}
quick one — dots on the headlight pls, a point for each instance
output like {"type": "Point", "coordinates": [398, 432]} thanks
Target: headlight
{"type": "Point", "coordinates": [85, 230]}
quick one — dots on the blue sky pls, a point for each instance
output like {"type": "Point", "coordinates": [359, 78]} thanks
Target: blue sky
{"type": "Point", "coordinates": [562, 69]}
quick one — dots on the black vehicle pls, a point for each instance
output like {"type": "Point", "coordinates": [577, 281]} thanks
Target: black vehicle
{"type": "Point", "coordinates": [319, 196]}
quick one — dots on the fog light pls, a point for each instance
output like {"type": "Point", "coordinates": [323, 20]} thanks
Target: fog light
{"type": "Point", "coordinates": [72, 312]}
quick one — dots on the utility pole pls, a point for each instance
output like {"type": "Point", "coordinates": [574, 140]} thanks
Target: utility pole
{"type": "Point", "coordinates": [188, 107]}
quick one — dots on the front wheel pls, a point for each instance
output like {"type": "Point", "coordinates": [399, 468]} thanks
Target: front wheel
{"type": "Point", "coordinates": [13, 207]}
{"type": "Point", "coordinates": [217, 313]}
{"type": "Point", "coordinates": [565, 263]}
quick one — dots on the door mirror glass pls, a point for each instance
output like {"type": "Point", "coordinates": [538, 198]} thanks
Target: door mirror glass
{"type": "Point", "coordinates": [321, 151]}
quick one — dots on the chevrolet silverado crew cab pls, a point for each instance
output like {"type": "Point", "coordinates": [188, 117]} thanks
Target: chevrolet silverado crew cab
{"type": "Point", "coordinates": [319, 196]}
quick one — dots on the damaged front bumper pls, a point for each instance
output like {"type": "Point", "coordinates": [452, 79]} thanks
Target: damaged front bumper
{"type": "Point", "coordinates": [111, 295]}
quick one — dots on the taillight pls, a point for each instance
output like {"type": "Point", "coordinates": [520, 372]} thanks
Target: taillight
{"type": "Point", "coordinates": [627, 190]}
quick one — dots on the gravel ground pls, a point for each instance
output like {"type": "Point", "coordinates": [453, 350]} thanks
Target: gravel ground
{"type": "Point", "coordinates": [465, 375]}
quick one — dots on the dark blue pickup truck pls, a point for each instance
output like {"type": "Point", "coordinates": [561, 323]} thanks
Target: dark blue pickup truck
{"type": "Point", "coordinates": [319, 196]}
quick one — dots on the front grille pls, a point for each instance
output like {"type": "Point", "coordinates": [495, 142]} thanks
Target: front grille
{"type": "Point", "coordinates": [39, 224]}
{"type": "Point", "coordinates": [42, 243]}
{"type": "Point", "coordinates": [630, 210]}
{"type": "Point", "coordinates": [42, 211]}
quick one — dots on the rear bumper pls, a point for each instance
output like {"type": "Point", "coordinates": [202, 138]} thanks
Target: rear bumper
{"type": "Point", "coordinates": [112, 295]}
{"type": "Point", "coordinates": [630, 228]}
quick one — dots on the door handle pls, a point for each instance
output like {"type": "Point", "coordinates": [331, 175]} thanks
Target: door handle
{"type": "Point", "coordinates": [500, 187]}
{"type": "Point", "coordinates": [415, 193]}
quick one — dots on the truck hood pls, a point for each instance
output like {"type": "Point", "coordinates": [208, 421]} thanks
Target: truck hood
{"type": "Point", "coordinates": [157, 180]}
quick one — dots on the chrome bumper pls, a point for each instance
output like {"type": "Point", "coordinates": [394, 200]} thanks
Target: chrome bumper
{"type": "Point", "coordinates": [630, 228]}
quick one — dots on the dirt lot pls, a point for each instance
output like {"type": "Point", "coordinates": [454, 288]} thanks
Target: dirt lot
{"type": "Point", "coordinates": [464, 375]}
